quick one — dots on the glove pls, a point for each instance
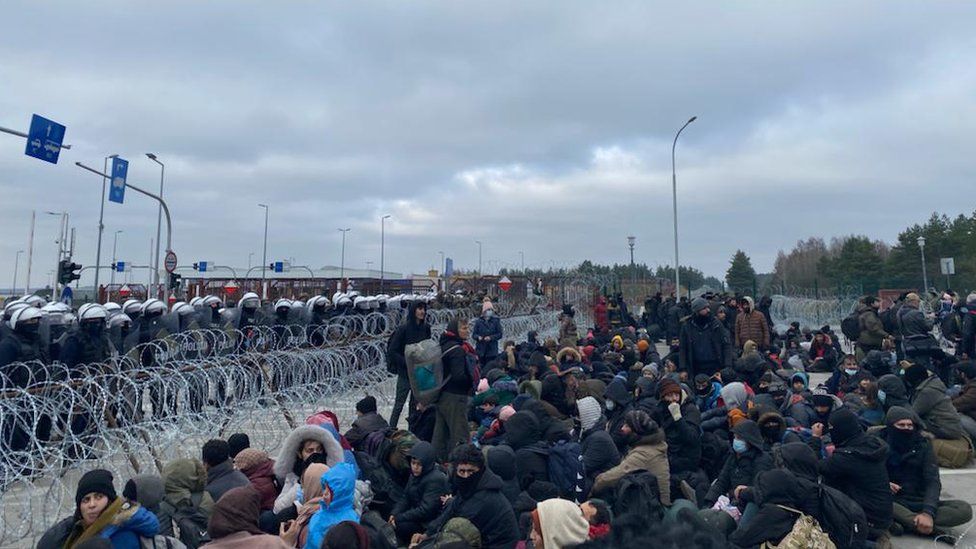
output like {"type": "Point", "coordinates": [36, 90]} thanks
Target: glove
{"type": "Point", "coordinates": [675, 410]}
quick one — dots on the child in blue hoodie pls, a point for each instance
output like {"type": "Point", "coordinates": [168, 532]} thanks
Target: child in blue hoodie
{"type": "Point", "coordinates": [339, 490]}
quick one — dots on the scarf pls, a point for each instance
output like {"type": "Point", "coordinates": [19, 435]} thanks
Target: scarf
{"type": "Point", "coordinates": [81, 533]}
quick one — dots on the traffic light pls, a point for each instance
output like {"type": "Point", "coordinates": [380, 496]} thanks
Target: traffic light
{"type": "Point", "coordinates": [174, 281]}
{"type": "Point", "coordinates": [66, 271]}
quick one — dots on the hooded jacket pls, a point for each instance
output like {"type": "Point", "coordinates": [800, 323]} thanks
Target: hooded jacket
{"type": "Point", "coordinates": [454, 356]}
{"type": "Point", "coordinates": [501, 460]}
{"type": "Point", "coordinates": [700, 343]}
{"type": "Point", "coordinates": [184, 484]}
{"type": "Point", "coordinates": [284, 467]}
{"type": "Point", "coordinates": [408, 333]}
{"type": "Point", "coordinates": [234, 523]}
{"type": "Point", "coordinates": [935, 408]}
{"type": "Point", "coordinates": [598, 451]}
{"type": "Point", "coordinates": [422, 497]}
{"type": "Point", "coordinates": [562, 523]}
{"type": "Point", "coordinates": [649, 453]}
{"type": "Point", "coordinates": [858, 468]}
{"type": "Point", "coordinates": [896, 394]}
{"type": "Point", "coordinates": [751, 326]}
{"type": "Point", "coordinates": [915, 469]}
{"type": "Point", "coordinates": [260, 471]}
{"type": "Point", "coordinates": [741, 469]}
{"type": "Point", "coordinates": [965, 401]}
{"type": "Point", "coordinates": [223, 477]}
{"type": "Point", "coordinates": [872, 329]}
{"type": "Point", "coordinates": [683, 435]}
{"type": "Point", "coordinates": [771, 523]}
{"type": "Point", "coordinates": [341, 481]}
{"type": "Point", "coordinates": [524, 436]}
{"type": "Point", "coordinates": [799, 458]}
{"type": "Point", "coordinates": [364, 426]}
{"type": "Point", "coordinates": [488, 509]}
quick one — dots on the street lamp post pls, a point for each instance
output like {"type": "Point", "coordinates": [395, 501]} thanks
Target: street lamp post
{"type": "Point", "coordinates": [478, 242]}
{"type": "Point", "coordinates": [16, 265]}
{"type": "Point", "coordinates": [115, 242]}
{"type": "Point", "coordinates": [264, 255]}
{"type": "Point", "coordinates": [342, 260]}
{"type": "Point", "coordinates": [522, 261]}
{"type": "Point", "coordinates": [101, 219]}
{"type": "Point", "coordinates": [382, 250]}
{"type": "Point", "coordinates": [159, 215]}
{"type": "Point", "coordinates": [674, 195]}
{"type": "Point", "coordinates": [250, 255]}
{"type": "Point", "coordinates": [925, 276]}
{"type": "Point", "coordinates": [631, 240]}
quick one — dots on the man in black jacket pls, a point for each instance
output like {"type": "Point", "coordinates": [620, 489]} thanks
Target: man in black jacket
{"type": "Point", "coordinates": [857, 468]}
{"type": "Point", "coordinates": [704, 346]}
{"type": "Point", "coordinates": [413, 330]}
{"type": "Point", "coordinates": [422, 497]}
{"type": "Point", "coordinates": [367, 422]}
{"type": "Point", "coordinates": [451, 419]}
{"type": "Point", "coordinates": [477, 497]}
{"type": "Point", "coordinates": [914, 477]}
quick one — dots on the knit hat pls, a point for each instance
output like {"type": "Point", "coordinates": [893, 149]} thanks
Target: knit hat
{"type": "Point", "coordinates": [640, 422]}
{"type": "Point", "coordinates": [668, 386]}
{"type": "Point", "coordinates": [505, 413]}
{"type": "Point", "coordinates": [589, 412]}
{"type": "Point", "coordinates": [698, 304]}
{"type": "Point", "coordinates": [238, 442]}
{"type": "Point", "coordinates": [651, 368]}
{"type": "Point", "coordinates": [561, 523]}
{"type": "Point", "coordinates": [913, 374]}
{"type": "Point", "coordinates": [643, 345]}
{"type": "Point", "coordinates": [367, 405]}
{"type": "Point", "coordinates": [97, 481]}
{"type": "Point", "coordinates": [487, 306]}
{"type": "Point", "coordinates": [843, 426]}
{"type": "Point", "coordinates": [482, 386]}
{"type": "Point", "coordinates": [541, 490]}
{"type": "Point", "coordinates": [249, 458]}
{"type": "Point", "coordinates": [898, 413]}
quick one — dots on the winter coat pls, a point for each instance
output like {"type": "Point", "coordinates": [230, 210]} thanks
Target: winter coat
{"type": "Point", "coordinates": [16, 348]}
{"type": "Point", "coordinates": [683, 436]}
{"type": "Point", "coordinates": [935, 408]}
{"type": "Point", "coordinates": [341, 480]}
{"type": "Point", "coordinates": [80, 347]}
{"type": "Point", "coordinates": [916, 470]}
{"type": "Point", "coordinates": [703, 343]}
{"type": "Point", "coordinates": [840, 383]}
{"type": "Point", "coordinates": [122, 522]}
{"type": "Point", "coordinates": [598, 451]}
{"type": "Point", "coordinates": [491, 328]}
{"type": "Point", "coordinates": [751, 327]}
{"type": "Point", "coordinates": [488, 509]}
{"type": "Point", "coordinates": [967, 344]}
{"type": "Point", "coordinates": [364, 426]}
{"type": "Point", "coordinates": [771, 523]}
{"type": "Point", "coordinates": [184, 485]}
{"type": "Point", "coordinates": [524, 435]}
{"type": "Point", "coordinates": [858, 468]}
{"type": "Point", "coordinates": [896, 394]}
{"type": "Point", "coordinates": [223, 477]}
{"type": "Point", "coordinates": [263, 479]}
{"type": "Point", "coordinates": [454, 357]}
{"type": "Point", "coordinates": [422, 496]}
{"type": "Point", "coordinates": [285, 464]}
{"type": "Point", "coordinates": [408, 333]}
{"type": "Point", "coordinates": [649, 453]}
{"type": "Point", "coordinates": [965, 401]}
{"type": "Point", "coordinates": [872, 333]}
{"type": "Point", "coordinates": [912, 323]}
{"type": "Point", "coordinates": [501, 461]}
{"type": "Point", "coordinates": [741, 469]}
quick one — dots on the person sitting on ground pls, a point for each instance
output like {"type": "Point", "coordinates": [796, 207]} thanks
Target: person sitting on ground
{"type": "Point", "coordinates": [598, 514]}
{"type": "Point", "coordinates": [221, 475]}
{"type": "Point", "coordinates": [648, 451]}
{"type": "Point", "coordinates": [338, 492]}
{"type": "Point", "coordinates": [367, 422]}
{"type": "Point", "coordinates": [148, 491]}
{"type": "Point", "coordinates": [847, 377]}
{"type": "Point", "coordinates": [965, 401]}
{"type": "Point", "coordinates": [597, 449]}
{"type": "Point", "coordinates": [259, 469]}
{"type": "Point", "coordinates": [930, 401]}
{"type": "Point", "coordinates": [558, 523]}
{"type": "Point", "coordinates": [478, 498]}
{"type": "Point", "coordinates": [422, 496]}
{"type": "Point", "coordinates": [234, 523]}
{"type": "Point", "coordinates": [100, 513]}
{"type": "Point", "coordinates": [773, 490]}
{"type": "Point", "coordinates": [296, 454]}
{"type": "Point", "coordinates": [748, 459]}
{"type": "Point", "coordinates": [914, 478]}
{"type": "Point", "coordinates": [858, 468]}
{"type": "Point", "coordinates": [238, 442]}
{"type": "Point", "coordinates": [185, 498]}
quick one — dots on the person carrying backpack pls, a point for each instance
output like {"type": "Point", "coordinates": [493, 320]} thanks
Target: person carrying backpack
{"type": "Point", "coordinates": [186, 507]}
{"type": "Point", "coordinates": [413, 330]}
{"type": "Point", "coordinates": [870, 330]}
{"type": "Point", "coordinates": [460, 361]}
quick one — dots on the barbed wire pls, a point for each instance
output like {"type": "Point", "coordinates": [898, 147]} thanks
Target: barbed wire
{"type": "Point", "coordinates": [164, 399]}
{"type": "Point", "coordinates": [809, 311]}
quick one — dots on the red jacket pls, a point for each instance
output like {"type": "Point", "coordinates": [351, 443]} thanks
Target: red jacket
{"type": "Point", "coordinates": [263, 479]}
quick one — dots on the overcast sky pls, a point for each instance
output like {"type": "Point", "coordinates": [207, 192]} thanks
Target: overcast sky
{"type": "Point", "coordinates": [542, 127]}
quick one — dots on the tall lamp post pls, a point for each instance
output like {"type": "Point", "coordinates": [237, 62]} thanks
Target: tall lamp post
{"type": "Point", "coordinates": [383, 250]}
{"type": "Point", "coordinates": [674, 195]}
{"type": "Point", "coordinates": [264, 255]}
{"type": "Point", "coordinates": [925, 276]}
{"type": "Point", "coordinates": [159, 216]}
{"type": "Point", "coordinates": [16, 265]}
{"type": "Point", "coordinates": [478, 242]}
{"type": "Point", "coordinates": [631, 240]}
{"type": "Point", "coordinates": [115, 242]}
{"type": "Point", "coordinates": [342, 261]}
{"type": "Point", "coordinates": [101, 224]}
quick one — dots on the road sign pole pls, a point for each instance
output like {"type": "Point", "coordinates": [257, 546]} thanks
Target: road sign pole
{"type": "Point", "coordinates": [169, 221]}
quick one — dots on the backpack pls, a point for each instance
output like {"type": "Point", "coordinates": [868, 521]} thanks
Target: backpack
{"type": "Point", "coordinates": [806, 534]}
{"type": "Point", "coordinates": [160, 542]}
{"type": "Point", "coordinates": [385, 492]}
{"type": "Point", "coordinates": [566, 467]}
{"type": "Point", "coordinates": [192, 523]}
{"type": "Point", "coordinates": [380, 532]}
{"type": "Point", "coordinates": [425, 369]}
{"type": "Point", "coordinates": [842, 518]}
{"type": "Point", "coordinates": [637, 492]}
{"type": "Point", "coordinates": [851, 326]}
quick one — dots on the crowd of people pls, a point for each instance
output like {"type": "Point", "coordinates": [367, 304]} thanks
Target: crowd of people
{"type": "Point", "coordinates": [592, 439]}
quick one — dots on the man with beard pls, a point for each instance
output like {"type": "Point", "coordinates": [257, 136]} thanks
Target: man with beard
{"type": "Point", "coordinates": [477, 496]}
{"type": "Point", "coordinates": [704, 347]}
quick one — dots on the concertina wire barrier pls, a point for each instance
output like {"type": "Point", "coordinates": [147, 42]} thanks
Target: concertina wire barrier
{"type": "Point", "coordinates": [164, 399]}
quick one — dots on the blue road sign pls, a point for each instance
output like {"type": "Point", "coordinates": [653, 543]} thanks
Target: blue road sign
{"type": "Point", "coordinates": [120, 168]}
{"type": "Point", "coordinates": [44, 139]}
{"type": "Point", "coordinates": [120, 267]}
{"type": "Point", "coordinates": [279, 266]}
{"type": "Point", "coordinates": [67, 295]}
{"type": "Point", "coordinates": [202, 266]}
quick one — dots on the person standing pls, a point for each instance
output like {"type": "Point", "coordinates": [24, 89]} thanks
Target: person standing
{"type": "Point", "coordinates": [451, 419]}
{"type": "Point", "coordinates": [704, 347]}
{"type": "Point", "coordinates": [487, 333]}
{"type": "Point", "coordinates": [750, 325]}
{"type": "Point", "coordinates": [413, 330]}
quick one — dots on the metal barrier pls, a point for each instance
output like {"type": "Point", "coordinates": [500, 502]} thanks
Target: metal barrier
{"type": "Point", "coordinates": [166, 398]}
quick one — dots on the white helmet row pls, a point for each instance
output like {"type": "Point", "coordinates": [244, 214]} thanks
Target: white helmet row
{"type": "Point", "coordinates": [119, 319]}
{"type": "Point", "coordinates": [24, 314]}
{"type": "Point", "coordinates": [92, 311]}
{"type": "Point", "coordinates": [196, 301]}
{"type": "Point", "coordinates": [181, 308]}
{"type": "Point", "coordinates": [152, 306]}
{"type": "Point", "coordinates": [318, 301]}
{"type": "Point", "coordinates": [283, 303]}
{"type": "Point", "coordinates": [211, 300]}
{"type": "Point", "coordinates": [250, 299]}
{"type": "Point", "coordinates": [131, 307]}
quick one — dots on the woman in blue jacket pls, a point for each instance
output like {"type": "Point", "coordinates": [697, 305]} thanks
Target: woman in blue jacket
{"type": "Point", "coordinates": [339, 489]}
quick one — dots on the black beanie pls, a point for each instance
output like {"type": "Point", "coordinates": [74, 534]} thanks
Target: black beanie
{"type": "Point", "coordinates": [238, 442]}
{"type": "Point", "coordinates": [915, 374]}
{"type": "Point", "coordinates": [843, 426]}
{"type": "Point", "coordinates": [367, 405]}
{"type": "Point", "coordinates": [98, 481]}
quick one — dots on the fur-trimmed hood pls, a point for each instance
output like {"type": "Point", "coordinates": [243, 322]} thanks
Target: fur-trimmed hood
{"type": "Point", "coordinates": [285, 462]}
{"type": "Point", "coordinates": [568, 351]}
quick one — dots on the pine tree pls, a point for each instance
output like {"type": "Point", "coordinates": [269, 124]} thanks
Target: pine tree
{"type": "Point", "coordinates": [741, 276]}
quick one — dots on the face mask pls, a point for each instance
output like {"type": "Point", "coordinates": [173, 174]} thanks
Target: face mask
{"type": "Point", "coordinates": [881, 396]}
{"type": "Point", "coordinates": [28, 331]}
{"type": "Point", "coordinates": [92, 328]}
{"type": "Point", "coordinates": [739, 446]}
{"type": "Point", "coordinates": [489, 313]}
{"type": "Point", "coordinates": [850, 371]}
{"type": "Point", "coordinates": [466, 486]}
{"type": "Point", "coordinates": [611, 405]}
